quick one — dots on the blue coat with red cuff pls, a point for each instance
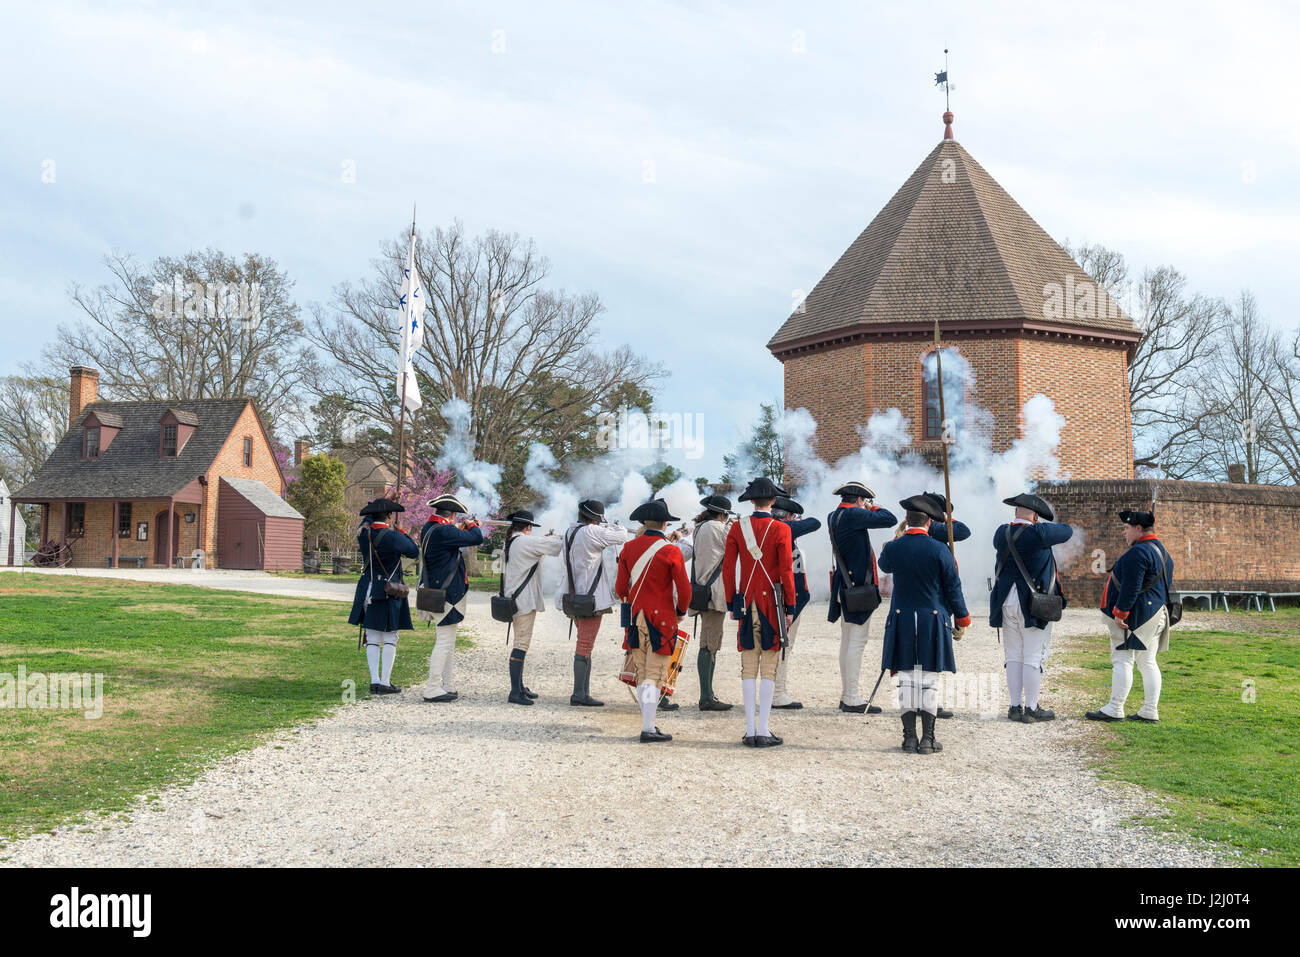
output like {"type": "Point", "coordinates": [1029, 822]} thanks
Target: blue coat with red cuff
{"type": "Point", "coordinates": [441, 542]}
{"type": "Point", "coordinates": [1034, 543]}
{"type": "Point", "coordinates": [664, 592]}
{"type": "Point", "coordinates": [849, 525]}
{"type": "Point", "coordinates": [757, 578]}
{"type": "Point", "coordinates": [927, 596]}
{"type": "Point", "coordinates": [799, 527]}
{"type": "Point", "coordinates": [1125, 599]}
{"type": "Point", "coordinates": [390, 546]}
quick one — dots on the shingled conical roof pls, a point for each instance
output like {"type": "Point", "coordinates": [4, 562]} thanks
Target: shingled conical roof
{"type": "Point", "coordinates": [950, 245]}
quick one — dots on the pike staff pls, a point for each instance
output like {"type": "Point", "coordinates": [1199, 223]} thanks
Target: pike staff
{"type": "Point", "coordinates": [944, 438]}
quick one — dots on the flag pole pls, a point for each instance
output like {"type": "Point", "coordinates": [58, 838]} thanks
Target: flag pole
{"type": "Point", "coordinates": [943, 439]}
{"type": "Point", "coordinates": [401, 425]}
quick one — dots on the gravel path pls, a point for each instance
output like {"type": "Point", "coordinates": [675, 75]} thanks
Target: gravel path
{"type": "Point", "coordinates": [394, 781]}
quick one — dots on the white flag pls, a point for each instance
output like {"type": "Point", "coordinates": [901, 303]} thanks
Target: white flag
{"type": "Point", "coordinates": [410, 310]}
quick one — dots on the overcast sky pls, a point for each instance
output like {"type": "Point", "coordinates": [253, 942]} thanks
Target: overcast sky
{"type": "Point", "coordinates": [695, 164]}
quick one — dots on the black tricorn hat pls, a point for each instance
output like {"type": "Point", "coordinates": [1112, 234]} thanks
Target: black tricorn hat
{"type": "Point", "coordinates": [655, 510]}
{"type": "Point", "coordinates": [856, 489]}
{"type": "Point", "coordinates": [382, 506]}
{"type": "Point", "coordinates": [591, 509]}
{"type": "Point", "coordinates": [716, 503]}
{"type": "Point", "coordinates": [924, 504]}
{"type": "Point", "coordinates": [786, 504]}
{"type": "Point", "coordinates": [1031, 502]}
{"type": "Point", "coordinates": [1133, 517]}
{"type": "Point", "coordinates": [940, 501]}
{"type": "Point", "coordinates": [760, 488]}
{"type": "Point", "coordinates": [522, 516]}
{"type": "Point", "coordinates": [448, 503]}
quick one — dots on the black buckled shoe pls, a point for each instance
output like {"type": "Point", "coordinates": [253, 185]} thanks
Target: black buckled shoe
{"type": "Point", "coordinates": [1033, 715]}
{"type": "Point", "coordinates": [445, 696]}
{"type": "Point", "coordinates": [529, 693]}
{"type": "Point", "coordinates": [1101, 716]}
{"type": "Point", "coordinates": [767, 741]}
{"type": "Point", "coordinates": [667, 704]}
{"type": "Point", "coordinates": [943, 713]}
{"type": "Point", "coordinates": [792, 706]}
{"type": "Point", "coordinates": [1015, 713]}
{"type": "Point", "coordinates": [853, 708]}
{"type": "Point", "coordinates": [749, 741]}
{"type": "Point", "coordinates": [384, 689]}
{"type": "Point", "coordinates": [650, 737]}
{"type": "Point", "coordinates": [713, 704]}
{"type": "Point", "coordinates": [1138, 717]}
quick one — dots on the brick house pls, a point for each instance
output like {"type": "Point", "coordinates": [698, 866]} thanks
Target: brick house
{"type": "Point", "coordinates": [151, 481]}
{"type": "Point", "coordinates": [953, 246]}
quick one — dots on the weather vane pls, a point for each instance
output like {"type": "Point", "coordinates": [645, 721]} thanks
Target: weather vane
{"type": "Point", "coordinates": [943, 78]}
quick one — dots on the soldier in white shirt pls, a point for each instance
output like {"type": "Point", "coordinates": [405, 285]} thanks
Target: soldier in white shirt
{"type": "Point", "coordinates": [520, 564]}
{"type": "Point", "coordinates": [709, 542]}
{"type": "Point", "coordinates": [584, 548]}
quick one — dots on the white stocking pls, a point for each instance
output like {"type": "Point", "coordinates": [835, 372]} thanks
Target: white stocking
{"type": "Point", "coordinates": [1015, 681]}
{"type": "Point", "coordinates": [1033, 681]}
{"type": "Point", "coordinates": [747, 690]}
{"type": "Point", "coordinates": [765, 689]}
{"type": "Point", "coordinates": [390, 653]}
{"type": "Point", "coordinates": [372, 659]}
{"type": "Point", "coordinates": [649, 695]}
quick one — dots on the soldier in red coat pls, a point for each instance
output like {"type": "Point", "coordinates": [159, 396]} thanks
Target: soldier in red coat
{"type": "Point", "coordinates": [656, 591]}
{"type": "Point", "coordinates": [758, 578]}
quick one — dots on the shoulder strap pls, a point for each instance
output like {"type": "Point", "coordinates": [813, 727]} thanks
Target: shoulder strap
{"type": "Point", "coordinates": [374, 557]}
{"type": "Point", "coordinates": [505, 560]}
{"type": "Point", "coordinates": [1020, 562]}
{"type": "Point", "coordinates": [833, 525]}
{"type": "Point", "coordinates": [1163, 570]}
{"type": "Point", "coordinates": [568, 564]}
{"type": "Point", "coordinates": [758, 559]}
{"type": "Point", "coordinates": [527, 578]}
{"type": "Point", "coordinates": [747, 532]}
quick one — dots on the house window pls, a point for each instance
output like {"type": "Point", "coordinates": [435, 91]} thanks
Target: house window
{"type": "Point", "coordinates": [169, 441]}
{"type": "Point", "coordinates": [92, 442]}
{"type": "Point", "coordinates": [124, 520]}
{"type": "Point", "coordinates": [76, 518]}
{"type": "Point", "coordinates": [248, 452]}
{"type": "Point", "coordinates": [954, 391]}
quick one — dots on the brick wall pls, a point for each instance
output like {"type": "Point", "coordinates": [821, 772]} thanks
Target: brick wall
{"type": "Point", "coordinates": [230, 461]}
{"type": "Point", "coordinates": [1088, 383]}
{"type": "Point", "coordinates": [1220, 535]}
{"type": "Point", "coordinates": [97, 545]}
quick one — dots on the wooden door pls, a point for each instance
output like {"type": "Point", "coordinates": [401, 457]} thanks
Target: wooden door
{"type": "Point", "coordinates": [160, 539]}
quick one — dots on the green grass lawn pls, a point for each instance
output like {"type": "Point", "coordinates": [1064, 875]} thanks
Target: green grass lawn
{"type": "Point", "coordinates": [1227, 749]}
{"type": "Point", "coordinates": [189, 675]}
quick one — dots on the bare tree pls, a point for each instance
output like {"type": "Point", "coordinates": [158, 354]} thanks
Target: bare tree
{"type": "Point", "coordinates": [523, 357]}
{"type": "Point", "coordinates": [1180, 336]}
{"type": "Point", "coordinates": [201, 326]}
{"type": "Point", "coordinates": [1282, 389]}
{"type": "Point", "coordinates": [33, 418]}
{"type": "Point", "coordinates": [1237, 422]}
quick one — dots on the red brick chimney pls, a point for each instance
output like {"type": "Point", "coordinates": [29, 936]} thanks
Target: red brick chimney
{"type": "Point", "coordinates": [300, 451]}
{"type": "Point", "coordinates": [83, 391]}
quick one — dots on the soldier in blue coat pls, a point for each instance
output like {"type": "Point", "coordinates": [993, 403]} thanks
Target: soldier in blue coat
{"type": "Point", "coordinates": [927, 598]}
{"type": "Point", "coordinates": [1133, 602]}
{"type": "Point", "coordinates": [788, 510]}
{"type": "Point", "coordinates": [443, 566]}
{"type": "Point", "coordinates": [849, 527]}
{"type": "Point", "coordinates": [1026, 639]}
{"type": "Point", "coordinates": [939, 532]}
{"type": "Point", "coordinates": [380, 617]}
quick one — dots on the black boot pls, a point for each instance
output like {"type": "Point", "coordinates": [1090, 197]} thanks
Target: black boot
{"type": "Point", "coordinates": [582, 683]}
{"type": "Point", "coordinates": [517, 695]}
{"type": "Point", "coordinates": [706, 664]}
{"type": "Point", "coordinates": [910, 742]}
{"type": "Point", "coordinates": [928, 745]}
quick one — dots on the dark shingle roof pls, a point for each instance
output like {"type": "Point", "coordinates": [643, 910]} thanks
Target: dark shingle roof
{"type": "Point", "coordinates": [950, 245]}
{"type": "Point", "coordinates": [131, 466]}
{"type": "Point", "coordinates": [109, 418]}
{"type": "Point", "coordinates": [184, 416]}
{"type": "Point", "coordinates": [261, 497]}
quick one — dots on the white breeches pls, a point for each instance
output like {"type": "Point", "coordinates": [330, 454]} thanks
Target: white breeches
{"type": "Point", "coordinates": [918, 690]}
{"type": "Point", "coordinates": [1122, 661]}
{"type": "Point", "coordinates": [442, 663]}
{"type": "Point", "coordinates": [380, 637]}
{"type": "Point", "coordinates": [853, 642]}
{"type": "Point", "coordinates": [781, 695]}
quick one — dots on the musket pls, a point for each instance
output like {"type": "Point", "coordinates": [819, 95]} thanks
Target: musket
{"type": "Point", "coordinates": [782, 629]}
{"type": "Point", "coordinates": [943, 443]}
{"type": "Point", "coordinates": [943, 439]}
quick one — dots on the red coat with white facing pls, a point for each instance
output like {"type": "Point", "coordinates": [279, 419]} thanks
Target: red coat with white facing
{"type": "Point", "coordinates": [664, 592]}
{"type": "Point", "coordinates": [756, 579]}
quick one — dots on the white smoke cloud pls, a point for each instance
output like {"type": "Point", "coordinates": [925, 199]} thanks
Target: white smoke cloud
{"type": "Point", "coordinates": [480, 479]}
